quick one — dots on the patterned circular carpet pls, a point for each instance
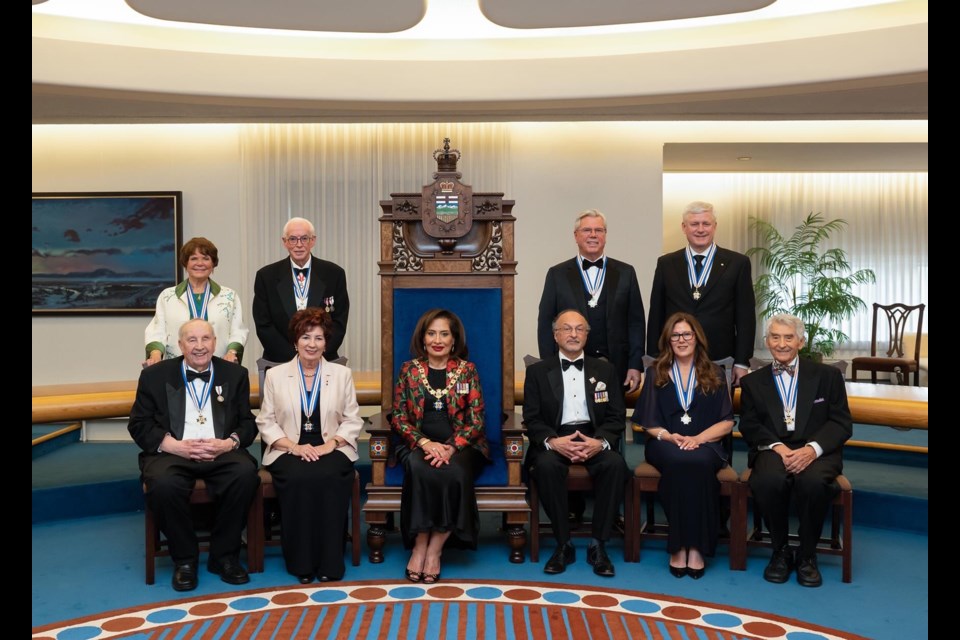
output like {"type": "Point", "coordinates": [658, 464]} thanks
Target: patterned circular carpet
{"type": "Point", "coordinates": [460, 609]}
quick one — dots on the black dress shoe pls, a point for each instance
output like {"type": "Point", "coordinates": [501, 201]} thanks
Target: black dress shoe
{"type": "Point", "coordinates": [597, 556]}
{"type": "Point", "coordinates": [677, 572]}
{"type": "Point", "coordinates": [230, 570]}
{"type": "Point", "coordinates": [563, 555]}
{"type": "Point", "coordinates": [185, 577]}
{"type": "Point", "coordinates": [780, 565]}
{"type": "Point", "coordinates": [808, 575]}
{"type": "Point", "coordinates": [306, 578]}
{"type": "Point", "coordinates": [696, 574]}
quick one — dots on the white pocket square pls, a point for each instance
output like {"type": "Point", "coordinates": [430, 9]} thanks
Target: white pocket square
{"type": "Point", "coordinates": [601, 386]}
{"type": "Point", "coordinates": [818, 400]}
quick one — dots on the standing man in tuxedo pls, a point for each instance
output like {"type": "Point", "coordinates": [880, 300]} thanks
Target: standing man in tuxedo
{"type": "Point", "coordinates": [710, 283]}
{"type": "Point", "coordinates": [295, 283]}
{"type": "Point", "coordinates": [574, 413]}
{"type": "Point", "coordinates": [795, 418]}
{"type": "Point", "coordinates": [605, 291]}
{"type": "Point", "coordinates": [191, 418]}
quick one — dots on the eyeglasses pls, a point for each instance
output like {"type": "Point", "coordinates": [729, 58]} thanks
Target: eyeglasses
{"type": "Point", "coordinates": [588, 231]}
{"type": "Point", "coordinates": [300, 239]}
{"type": "Point", "coordinates": [686, 336]}
{"type": "Point", "coordinates": [569, 329]}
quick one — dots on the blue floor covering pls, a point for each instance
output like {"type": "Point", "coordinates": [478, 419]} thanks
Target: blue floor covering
{"type": "Point", "coordinates": [92, 565]}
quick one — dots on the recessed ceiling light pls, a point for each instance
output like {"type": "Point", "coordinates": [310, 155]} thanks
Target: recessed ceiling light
{"type": "Point", "coordinates": [744, 158]}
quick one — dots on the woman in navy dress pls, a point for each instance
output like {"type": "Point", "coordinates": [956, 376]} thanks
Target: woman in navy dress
{"type": "Point", "coordinates": [685, 410]}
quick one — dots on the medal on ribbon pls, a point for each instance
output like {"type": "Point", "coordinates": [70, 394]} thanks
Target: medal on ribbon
{"type": "Point", "coordinates": [308, 398]}
{"type": "Point", "coordinates": [192, 302]}
{"type": "Point", "coordinates": [788, 396]}
{"type": "Point", "coordinates": [199, 399]}
{"type": "Point", "coordinates": [697, 282]}
{"type": "Point", "coordinates": [301, 287]}
{"type": "Point", "coordinates": [593, 285]}
{"type": "Point", "coordinates": [684, 390]}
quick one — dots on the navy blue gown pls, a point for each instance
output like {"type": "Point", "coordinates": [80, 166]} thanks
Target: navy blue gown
{"type": "Point", "coordinates": [688, 489]}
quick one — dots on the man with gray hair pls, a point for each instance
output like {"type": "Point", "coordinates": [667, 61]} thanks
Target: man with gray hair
{"type": "Point", "coordinates": [294, 283]}
{"type": "Point", "coordinates": [710, 283]}
{"type": "Point", "coordinates": [795, 418]}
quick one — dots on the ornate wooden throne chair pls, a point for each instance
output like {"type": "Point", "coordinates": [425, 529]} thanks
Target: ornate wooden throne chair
{"type": "Point", "coordinates": [449, 247]}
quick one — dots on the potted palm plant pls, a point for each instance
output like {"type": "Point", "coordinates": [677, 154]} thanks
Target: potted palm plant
{"type": "Point", "coordinates": [800, 278]}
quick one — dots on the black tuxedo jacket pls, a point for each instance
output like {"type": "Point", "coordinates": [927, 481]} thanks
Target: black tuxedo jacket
{"type": "Point", "coordinates": [823, 414]}
{"type": "Point", "coordinates": [543, 402]}
{"type": "Point", "coordinates": [274, 305]}
{"type": "Point", "coordinates": [726, 308]}
{"type": "Point", "coordinates": [626, 327]}
{"type": "Point", "coordinates": [161, 402]}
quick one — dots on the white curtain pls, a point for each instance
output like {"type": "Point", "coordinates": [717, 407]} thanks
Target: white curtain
{"type": "Point", "coordinates": [335, 176]}
{"type": "Point", "coordinates": [887, 230]}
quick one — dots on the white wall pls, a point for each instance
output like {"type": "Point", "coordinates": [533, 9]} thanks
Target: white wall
{"type": "Point", "coordinates": [558, 169]}
{"type": "Point", "coordinates": [199, 160]}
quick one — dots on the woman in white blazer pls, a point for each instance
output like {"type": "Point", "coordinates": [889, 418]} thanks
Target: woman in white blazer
{"type": "Point", "coordinates": [310, 421]}
{"type": "Point", "coordinates": [196, 297]}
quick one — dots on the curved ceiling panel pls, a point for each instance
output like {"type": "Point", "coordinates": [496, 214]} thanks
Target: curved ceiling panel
{"type": "Point", "coordinates": [355, 16]}
{"type": "Point", "coordinates": [535, 14]}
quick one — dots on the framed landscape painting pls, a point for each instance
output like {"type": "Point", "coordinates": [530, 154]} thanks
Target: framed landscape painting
{"type": "Point", "coordinates": [104, 253]}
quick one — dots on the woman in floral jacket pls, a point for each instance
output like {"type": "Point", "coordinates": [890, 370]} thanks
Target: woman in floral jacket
{"type": "Point", "coordinates": [438, 414]}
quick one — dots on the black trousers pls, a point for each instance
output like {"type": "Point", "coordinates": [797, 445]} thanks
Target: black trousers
{"type": "Point", "coordinates": [232, 481]}
{"type": "Point", "coordinates": [811, 492]}
{"type": "Point", "coordinates": [609, 473]}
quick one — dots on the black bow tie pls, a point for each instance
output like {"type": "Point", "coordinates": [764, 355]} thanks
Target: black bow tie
{"type": "Point", "coordinates": [779, 368]}
{"type": "Point", "coordinates": [301, 272]}
{"type": "Point", "coordinates": [203, 375]}
{"type": "Point", "coordinates": [596, 263]}
{"type": "Point", "coordinates": [577, 363]}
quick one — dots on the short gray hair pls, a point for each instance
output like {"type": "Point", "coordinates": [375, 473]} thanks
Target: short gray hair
{"type": "Point", "coordinates": [588, 213]}
{"type": "Point", "coordinates": [192, 321]}
{"type": "Point", "coordinates": [698, 206]}
{"type": "Point", "coordinates": [291, 221]}
{"type": "Point", "coordinates": [789, 320]}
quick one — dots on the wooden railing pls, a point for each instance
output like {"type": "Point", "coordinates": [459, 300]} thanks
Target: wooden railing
{"type": "Point", "coordinates": [880, 404]}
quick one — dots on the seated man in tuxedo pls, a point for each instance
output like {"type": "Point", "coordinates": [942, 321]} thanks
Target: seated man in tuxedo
{"type": "Point", "coordinates": [795, 418]}
{"type": "Point", "coordinates": [574, 413]}
{"type": "Point", "coordinates": [192, 419]}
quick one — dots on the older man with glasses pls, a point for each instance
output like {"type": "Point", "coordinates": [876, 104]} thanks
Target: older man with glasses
{"type": "Point", "coordinates": [574, 414]}
{"type": "Point", "coordinates": [294, 283]}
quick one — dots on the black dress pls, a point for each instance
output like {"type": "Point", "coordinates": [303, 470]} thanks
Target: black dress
{"type": "Point", "coordinates": [314, 503]}
{"type": "Point", "coordinates": [688, 489]}
{"type": "Point", "coordinates": [439, 498]}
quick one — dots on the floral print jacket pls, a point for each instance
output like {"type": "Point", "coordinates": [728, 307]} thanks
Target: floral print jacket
{"type": "Point", "coordinates": [464, 404]}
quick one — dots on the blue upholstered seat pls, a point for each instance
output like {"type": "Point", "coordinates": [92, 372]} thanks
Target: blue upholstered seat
{"type": "Point", "coordinates": [480, 311]}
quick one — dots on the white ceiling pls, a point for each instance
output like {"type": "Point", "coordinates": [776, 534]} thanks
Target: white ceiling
{"type": "Point", "coordinates": [170, 61]}
{"type": "Point", "coordinates": [101, 61]}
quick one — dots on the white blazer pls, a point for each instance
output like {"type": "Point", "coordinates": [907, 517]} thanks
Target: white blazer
{"type": "Point", "coordinates": [338, 410]}
{"type": "Point", "coordinates": [224, 313]}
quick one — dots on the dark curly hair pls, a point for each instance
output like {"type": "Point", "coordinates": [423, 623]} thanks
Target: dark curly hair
{"type": "Point", "coordinates": [306, 319]}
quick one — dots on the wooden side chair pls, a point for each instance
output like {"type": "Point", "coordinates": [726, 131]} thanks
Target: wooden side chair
{"type": "Point", "coordinates": [893, 358]}
{"type": "Point", "coordinates": [156, 544]}
{"type": "Point", "coordinates": [269, 530]}
{"type": "Point", "coordinates": [840, 541]}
